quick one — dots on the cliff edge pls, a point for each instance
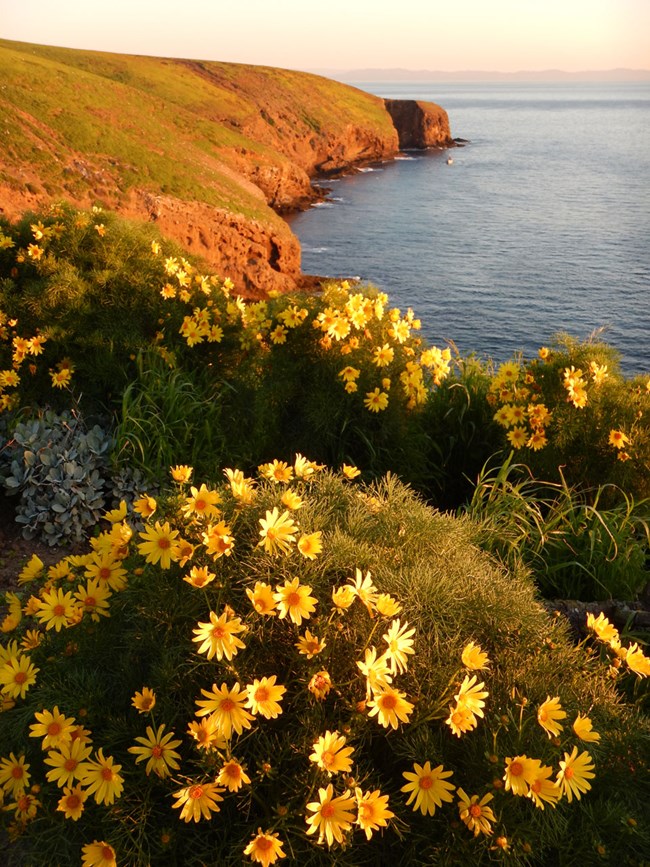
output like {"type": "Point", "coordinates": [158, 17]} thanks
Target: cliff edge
{"type": "Point", "coordinates": [213, 153]}
{"type": "Point", "coordinates": [419, 124]}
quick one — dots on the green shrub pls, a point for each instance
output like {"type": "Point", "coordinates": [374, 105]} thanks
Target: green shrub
{"type": "Point", "coordinates": [181, 623]}
{"type": "Point", "coordinates": [575, 547]}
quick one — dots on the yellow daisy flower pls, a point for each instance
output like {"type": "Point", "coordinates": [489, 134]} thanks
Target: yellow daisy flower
{"type": "Point", "coordinates": [461, 720]}
{"type": "Point", "coordinates": [198, 801]}
{"type": "Point", "coordinates": [262, 599]}
{"type": "Point", "coordinates": [520, 771]}
{"type": "Point", "coordinates": [474, 813]}
{"type": "Point", "coordinates": [67, 762]}
{"type": "Point", "coordinates": [218, 637]}
{"type": "Point", "coordinates": [372, 811]}
{"type": "Point", "coordinates": [263, 697]}
{"type": "Point", "coordinates": [542, 789]}
{"type": "Point", "coordinates": [14, 775]}
{"type": "Point", "coordinates": [294, 601]}
{"type": "Point", "coordinates": [202, 503]}
{"type": "Point", "coordinates": [548, 715]}
{"type": "Point", "coordinates": [331, 755]}
{"type": "Point", "coordinates": [582, 728]}
{"type": "Point", "coordinates": [17, 675]}
{"type": "Point", "coordinates": [159, 544]}
{"type": "Point", "coordinates": [474, 658]}
{"type": "Point", "coordinates": [233, 776]}
{"type": "Point", "coordinates": [71, 803]}
{"type": "Point", "coordinates": [226, 706]}
{"type": "Point", "coordinates": [427, 787]}
{"type": "Point", "coordinates": [391, 707]}
{"type": "Point", "coordinates": [265, 848]}
{"type": "Point", "coordinates": [278, 532]}
{"type": "Point", "coordinates": [310, 645]}
{"type": "Point", "coordinates": [471, 695]}
{"type": "Point", "coordinates": [144, 701]}
{"type": "Point", "coordinates": [331, 816]}
{"type": "Point", "coordinates": [102, 779]}
{"type": "Point", "coordinates": [310, 546]}
{"type": "Point", "coordinates": [159, 750]}
{"type": "Point", "coordinates": [400, 645]}
{"type": "Point", "coordinates": [320, 684]}
{"type": "Point", "coordinates": [574, 774]}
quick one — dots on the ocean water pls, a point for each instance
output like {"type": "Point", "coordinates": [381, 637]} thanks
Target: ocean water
{"type": "Point", "coordinates": [540, 225]}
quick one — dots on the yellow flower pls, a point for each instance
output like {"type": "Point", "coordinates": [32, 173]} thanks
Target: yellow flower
{"type": "Point", "coordinates": [291, 500]}
{"type": "Point", "coordinates": [637, 661]}
{"type": "Point", "coordinates": [57, 609]}
{"type": "Point", "coordinates": [604, 630]}
{"type": "Point", "coordinates": [218, 540]}
{"type": "Point", "coordinates": [202, 503]}
{"type": "Point", "coordinates": [474, 813]}
{"type": "Point", "coordinates": [575, 771]}
{"type": "Point", "coordinates": [53, 727]}
{"type": "Point", "coordinates": [98, 853]}
{"type": "Point", "coordinates": [372, 811]}
{"type": "Point", "coordinates": [160, 545]}
{"type": "Point", "coordinates": [391, 706]}
{"type": "Point", "coordinates": [474, 658]}
{"type": "Point", "coordinates": [71, 803]}
{"type": "Point", "coordinates": [544, 352]}
{"type": "Point", "coordinates": [276, 471]}
{"type": "Point", "coordinates": [93, 599]}
{"type": "Point", "coordinates": [618, 439]}
{"type": "Point", "coordinates": [582, 728]}
{"type": "Point", "coordinates": [320, 684]}
{"type": "Point", "coordinates": [386, 605]}
{"type": "Point", "coordinates": [461, 720]}
{"type": "Point", "coordinates": [226, 706]}
{"type": "Point", "coordinates": [262, 599]}
{"type": "Point", "coordinates": [265, 848]}
{"type": "Point", "coordinates": [263, 696]}
{"type": "Point", "coordinates": [199, 576]}
{"type": "Point", "coordinates": [207, 734]}
{"type": "Point", "coordinates": [144, 701]}
{"type": "Point", "coordinates": [278, 532]}
{"type": "Point", "coordinates": [375, 670]}
{"type": "Point", "coordinates": [364, 589]}
{"type": "Point", "coordinates": [66, 762]}
{"type": "Point", "coordinates": [517, 437]}
{"type": "Point", "coordinates": [542, 789]}
{"type": "Point", "coordinates": [331, 754]}
{"type": "Point", "coordinates": [101, 778]}
{"type": "Point", "coordinates": [294, 600]}
{"type": "Point", "coordinates": [520, 771]}
{"type": "Point", "coordinates": [350, 472]}
{"type": "Point", "coordinates": [14, 775]}
{"type": "Point", "coordinates": [218, 637]}
{"type": "Point", "coordinates": [159, 750]}
{"type": "Point", "coordinates": [181, 473]}
{"type": "Point", "coordinates": [310, 546]}
{"type": "Point", "coordinates": [349, 374]}
{"type": "Point", "coordinates": [343, 597]}
{"type": "Point", "coordinates": [233, 776]}
{"type": "Point", "coordinates": [331, 816]}
{"type": "Point", "coordinates": [17, 675]}
{"type": "Point", "coordinates": [383, 355]}
{"type": "Point", "coordinates": [427, 788]}
{"type": "Point", "coordinates": [198, 801]}
{"type": "Point", "coordinates": [31, 570]}
{"type": "Point", "coordinates": [471, 695]}
{"type": "Point", "coordinates": [376, 400]}
{"type": "Point", "coordinates": [400, 645]}
{"type": "Point", "coordinates": [310, 645]}
{"type": "Point", "coordinates": [548, 715]}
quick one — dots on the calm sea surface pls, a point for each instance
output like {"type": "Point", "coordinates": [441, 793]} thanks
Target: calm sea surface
{"type": "Point", "coordinates": [542, 223]}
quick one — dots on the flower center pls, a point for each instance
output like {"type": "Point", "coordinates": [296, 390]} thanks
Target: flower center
{"type": "Point", "coordinates": [164, 543]}
{"type": "Point", "coordinates": [425, 782]}
{"type": "Point", "coordinates": [261, 694]}
{"type": "Point", "coordinates": [104, 573]}
{"type": "Point", "coordinates": [218, 632]}
{"type": "Point", "coordinates": [73, 802]}
{"type": "Point", "coordinates": [227, 705]}
{"type": "Point", "coordinates": [90, 602]}
{"type": "Point", "coordinates": [542, 716]}
{"type": "Point", "coordinates": [233, 771]}
{"type": "Point", "coordinates": [327, 811]}
{"type": "Point", "coordinates": [70, 764]}
{"type": "Point", "coordinates": [263, 844]}
{"type": "Point", "coordinates": [58, 610]}
{"type": "Point", "coordinates": [516, 769]}
{"type": "Point", "coordinates": [107, 774]}
{"type": "Point", "coordinates": [156, 751]}
{"type": "Point", "coordinates": [327, 758]}
{"type": "Point", "coordinates": [568, 773]}
{"type": "Point", "coordinates": [195, 792]}
{"type": "Point", "coordinates": [199, 505]}
{"type": "Point", "coordinates": [17, 772]}
{"type": "Point", "coordinates": [475, 811]}
{"type": "Point", "coordinates": [23, 803]}
{"type": "Point", "coordinates": [107, 853]}
{"type": "Point", "coordinates": [388, 702]}
{"type": "Point", "coordinates": [293, 598]}
{"type": "Point", "coordinates": [20, 677]}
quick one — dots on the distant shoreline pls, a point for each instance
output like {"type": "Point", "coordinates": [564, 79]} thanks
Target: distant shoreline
{"type": "Point", "coordinates": [351, 76]}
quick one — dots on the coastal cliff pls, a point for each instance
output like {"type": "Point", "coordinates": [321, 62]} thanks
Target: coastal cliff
{"type": "Point", "coordinates": [213, 153]}
{"type": "Point", "coordinates": [419, 124]}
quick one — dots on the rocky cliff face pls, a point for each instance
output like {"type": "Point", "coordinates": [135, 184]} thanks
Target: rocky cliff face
{"type": "Point", "coordinates": [212, 153]}
{"type": "Point", "coordinates": [419, 124]}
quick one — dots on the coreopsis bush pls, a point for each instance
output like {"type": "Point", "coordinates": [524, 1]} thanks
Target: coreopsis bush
{"type": "Point", "coordinates": [301, 668]}
{"type": "Point", "coordinates": [571, 412]}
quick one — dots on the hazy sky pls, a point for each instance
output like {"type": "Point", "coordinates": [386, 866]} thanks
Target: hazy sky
{"type": "Point", "coordinates": [502, 35]}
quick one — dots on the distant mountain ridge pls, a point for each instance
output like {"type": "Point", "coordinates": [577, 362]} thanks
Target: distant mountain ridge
{"type": "Point", "coordinates": [400, 74]}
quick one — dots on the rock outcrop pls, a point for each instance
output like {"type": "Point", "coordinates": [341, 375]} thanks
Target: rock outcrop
{"type": "Point", "coordinates": [419, 124]}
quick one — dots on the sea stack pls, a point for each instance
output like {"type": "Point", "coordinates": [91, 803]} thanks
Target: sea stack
{"type": "Point", "coordinates": [419, 124]}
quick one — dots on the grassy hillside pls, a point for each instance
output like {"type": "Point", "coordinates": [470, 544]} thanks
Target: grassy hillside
{"type": "Point", "coordinates": [91, 123]}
